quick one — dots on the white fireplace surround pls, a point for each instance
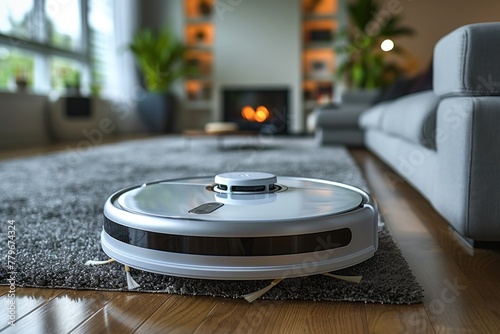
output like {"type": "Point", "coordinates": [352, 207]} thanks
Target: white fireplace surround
{"type": "Point", "coordinates": [257, 43]}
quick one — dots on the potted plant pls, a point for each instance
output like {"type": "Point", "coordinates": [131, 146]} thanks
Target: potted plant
{"type": "Point", "coordinates": [159, 56]}
{"type": "Point", "coordinates": [72, 82]}
{"type": "Point", "coordinates": [363, 64]}
{"type": "Point", "coordinates": [21, 80]}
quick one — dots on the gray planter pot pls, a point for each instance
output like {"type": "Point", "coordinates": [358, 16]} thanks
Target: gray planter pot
{"type": "Point", "coordinates": [157, 111]}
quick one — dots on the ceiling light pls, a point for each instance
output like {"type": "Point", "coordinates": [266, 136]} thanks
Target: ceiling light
{"type": "Point", "coordinates": [387, 45]}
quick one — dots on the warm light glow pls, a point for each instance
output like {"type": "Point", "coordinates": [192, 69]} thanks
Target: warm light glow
{"type": "Point", "coordinates": [261, 114]}
{"type": "Point", "coordinates": [387, 45]}
{"type": "Point", "coordinates": [248, 113]}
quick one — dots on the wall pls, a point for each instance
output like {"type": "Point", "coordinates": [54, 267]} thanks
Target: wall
{"type": "Point", "coordinates": [23, 120]}
{"type": "Point", "coordinates": [433, 19]}
{"type": "Point", "coordinates": [258, 43]}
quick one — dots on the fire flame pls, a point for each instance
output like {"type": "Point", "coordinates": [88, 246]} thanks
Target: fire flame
{"type": "Point", "coordinates": [261, 114]}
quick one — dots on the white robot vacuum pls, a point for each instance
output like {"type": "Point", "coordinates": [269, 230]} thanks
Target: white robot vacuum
{"type": "Point", "coordinates": [240, 226]}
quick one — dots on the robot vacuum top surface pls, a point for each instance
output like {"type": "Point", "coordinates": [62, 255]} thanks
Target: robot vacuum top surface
{"type": "Point", "coordinates": [241, 197]}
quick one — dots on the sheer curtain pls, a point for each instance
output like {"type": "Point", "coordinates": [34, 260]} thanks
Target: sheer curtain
{"type": "Point", "coordinates": [123, 86]}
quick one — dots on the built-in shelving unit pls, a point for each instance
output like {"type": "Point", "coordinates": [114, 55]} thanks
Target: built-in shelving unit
{"type": "Point", "coordinates": [199, 38]}
{"type": "Point", "coordinates": [319, 25]}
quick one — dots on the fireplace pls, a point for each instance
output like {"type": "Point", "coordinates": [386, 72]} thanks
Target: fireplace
{"type": "Point", "coordinates": [257, 109]}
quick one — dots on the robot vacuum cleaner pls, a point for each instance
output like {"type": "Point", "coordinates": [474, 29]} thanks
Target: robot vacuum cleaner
{"type": "Point", "coordinates": [240, 226]}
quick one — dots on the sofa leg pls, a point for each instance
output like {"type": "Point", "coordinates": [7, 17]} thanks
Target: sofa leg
{"type": "Point", "coordinates": [477, 243]}
{"type": "Point", "coordinates": [484, 244]}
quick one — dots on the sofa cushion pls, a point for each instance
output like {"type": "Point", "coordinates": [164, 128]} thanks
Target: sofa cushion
{"type": "Point", "coordinates": [466, 62]}
{"type": "Point", "coordinates": [372, 117]}
{"type": "Point", "coordinates": [412, 117]}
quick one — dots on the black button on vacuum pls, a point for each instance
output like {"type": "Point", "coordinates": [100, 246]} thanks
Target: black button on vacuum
{"type": "Point", "coordinates": [206, 208]}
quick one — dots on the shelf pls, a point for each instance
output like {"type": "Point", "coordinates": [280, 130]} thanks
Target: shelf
{"type": "Point", "coordinates": [199, 19]}
{"type": "Point", "coordinates": [318, 64]}
{"type": "Point", "coordinates": [200, 9]}
{"type": "Point", "coordinates": [318, 45]}
{"type": "Point", "coordinates": [317, 17]}
{"type": "Point", "coordinates": [327, 77]}
{"type": "Point", "coordinates": [319, 8]}
{"type": "Point", "coordinates": [199, 34]}
{"type": "Point", "coordinates": [319, 24]}
{"type": "Point", "coordinates": [202, 60]}
{"type": "Point", "coordinates": [199, 47]}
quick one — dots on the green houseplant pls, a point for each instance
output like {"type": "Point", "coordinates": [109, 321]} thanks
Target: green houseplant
{"type": "Point", "coordinates": [363, 64]}
{"type": "Point", "coordinates": [72, 82]}
{"type": "Point", "coordinates": [160, 57]}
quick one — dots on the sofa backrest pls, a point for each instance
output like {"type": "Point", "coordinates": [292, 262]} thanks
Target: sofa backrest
{"type": "Point", "coordinates": [466, 61]}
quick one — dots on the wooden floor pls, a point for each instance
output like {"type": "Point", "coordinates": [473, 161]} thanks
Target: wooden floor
{"type": "Point", "coordinates": [462, 290]}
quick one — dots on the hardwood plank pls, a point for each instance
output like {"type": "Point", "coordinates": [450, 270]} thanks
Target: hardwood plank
{"type": "Point", "coordinates": [62, 313]}
{"type": "Point", "coordinates": [26, 301]}
{"type": "Point", "coordinates": [451, 301]}
{"type": "Point", "coordinates": [179, 314]}
{"type": "Point", "coordinates": [397, 319]}
{"type": "Point", "coordinates": [123, 314]}
{"type": "Point", "coordinates": [4, 289]}
{"type": "Point", "coordinates": [235, 316]}
{"type": "Point", "coordinates": [323, 317]}
{"type": "Point", "coordinates": [479, 266]}
{"type": "Point", "coordinates": [275, 316]}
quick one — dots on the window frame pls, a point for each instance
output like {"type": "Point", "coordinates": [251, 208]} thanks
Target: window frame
{"type": "Point", "coordinates": [45, 50]}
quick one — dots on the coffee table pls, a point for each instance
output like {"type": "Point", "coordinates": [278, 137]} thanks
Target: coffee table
{"type": "Point", "coordinates": [219, 135]}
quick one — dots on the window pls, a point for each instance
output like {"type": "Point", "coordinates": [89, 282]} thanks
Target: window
{"type": "Point", "coordinates": [101, 36]}
{"type": "Point", "coordinates": [56, 45]}
{"type": "Point", "coordinates": [64, 73]}
{"type": "Point", "coordinates": [16, 68]}
{"type": "Point", "coordinates": [16, 18]}
{"type": "Point", "coordinates": [64, 24]}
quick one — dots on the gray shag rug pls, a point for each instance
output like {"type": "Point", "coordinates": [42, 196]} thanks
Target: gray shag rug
{"type": "Point", "coordinates": [56, 201]}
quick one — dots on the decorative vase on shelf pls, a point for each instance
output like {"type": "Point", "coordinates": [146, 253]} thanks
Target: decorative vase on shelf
{"type": "Point", "coordinates": [205, 8]}
{"type": "Point", "coordinates": [200, 36]}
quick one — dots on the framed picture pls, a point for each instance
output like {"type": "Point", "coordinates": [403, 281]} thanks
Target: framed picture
{"type": "Point", "coordinates": [320, 35]}
{"type": "Point", "coordinates": [319, 67]}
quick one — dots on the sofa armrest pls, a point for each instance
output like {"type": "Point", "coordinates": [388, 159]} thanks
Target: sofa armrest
{"type": "Point", "coordinates": [345, 116]}
{"type": "Point", "coordinates": [340, 126]}
{"type": "Point", "coordinates": [467, 184]}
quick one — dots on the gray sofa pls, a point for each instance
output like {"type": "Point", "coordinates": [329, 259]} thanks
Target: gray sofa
{"type": "Point", "coordinates": [446, 141]}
